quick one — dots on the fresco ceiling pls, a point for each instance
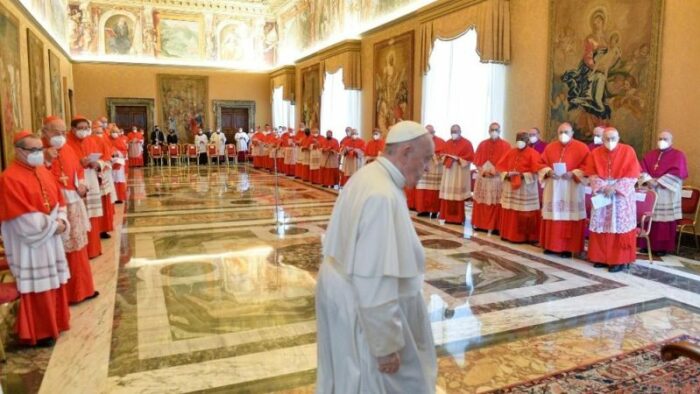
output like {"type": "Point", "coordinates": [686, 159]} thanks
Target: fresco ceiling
{"type": "Point", "coordinates": [255, 35]}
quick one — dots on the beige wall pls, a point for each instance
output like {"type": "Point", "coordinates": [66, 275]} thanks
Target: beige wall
{"type": "Point", "coordinates": [66, 67]}
{"type": "Point", "coordinates": [95, 82]}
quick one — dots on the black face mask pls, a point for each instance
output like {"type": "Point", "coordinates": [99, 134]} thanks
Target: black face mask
{"type": "Point", "coordinates": [307, 133]}
{"type": "Point", "coordinates": [329, 137]}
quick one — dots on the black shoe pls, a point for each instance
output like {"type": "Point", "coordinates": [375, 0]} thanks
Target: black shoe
{"type": "Point", "coordinates": [643, 250]}
{"type": "Point", "coordinates": [600, 265]}
{"type": "Point", "coordinates": [105, 236]}
{"type": "Point", "coordinates": [566, 255]}
{"type": "Point", "coordinates": [617, 268]}
{"type": "Point", "coordinates": [46, 342]}
{"type": "Point", "coordinates": [660, 254]}
{"type": "Point", "coordinates": [119, 202]}
{"type": "Point", "coordinates": [94, 295]}
{"type": "Point", "coordinates": [423, 214]}
{"type": "Point", "coordinates": [547, 251]}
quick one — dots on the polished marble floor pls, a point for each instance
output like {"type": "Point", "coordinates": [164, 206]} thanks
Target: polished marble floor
{"type": "Point", "coordinates": [208, 287]}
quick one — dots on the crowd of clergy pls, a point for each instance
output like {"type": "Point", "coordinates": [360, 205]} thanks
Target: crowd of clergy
{"type": "Point", "coordinates": [57, 197]}
{"type": "Point", "coordinates": [56, 205]}
{"type": "Point", "coordinates": [553, 194]}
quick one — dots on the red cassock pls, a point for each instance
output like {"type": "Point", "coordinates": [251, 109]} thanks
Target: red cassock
{"type": "Point", "coordinates": [282, 146]}
{"type": "Point", "coordinates": [257, 142]}
{"type": "Point", "coordinates": [299, 141]}
{"type": "Point", "coordinates": [83, 148]}
{"type": "Point", "coordinates": [22, 190]}
{"type": "Point", "coordinates": [120, 144]}
{"type": "Point", "coordinates": [428, 200]}
{"type": "Point", "coordinates": [271, 141]}
{"type": "Point", "coordinates": [452, 211]}
{"type": "Point", "coordinates": [487, 216]}
{"type": "Point", "coordinates": [373, 148]}
{"type": "Point", "coordinates": [330, 175]}
{"type": "Point", "coordinates": [613, 248]}
{"type": "Point", "coordinates": [516, 225]}
{"type": "Point", "coordinates": [66, 169]}
{"type": "Point", "coordinates": [351, 144]}
{"type": "Point", "coordinates": [316, 175]}
{"type": "Point", "coordinates": [107, 205]}
{"type": "Point", "coordinates": [564, 235]}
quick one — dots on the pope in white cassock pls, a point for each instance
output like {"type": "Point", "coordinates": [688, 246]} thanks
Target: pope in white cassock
{"type": "Point", "coordinates": [374, 334]}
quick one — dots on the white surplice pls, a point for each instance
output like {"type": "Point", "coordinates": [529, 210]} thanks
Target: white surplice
{"type": "Point", "coordinates": [35, 252]}
{"type": "Point", "coordinates": [219, 139]}
{"type": "Point", "coordinates": [369, 300]}
{"type": "Point", "coordinates": [563, 199]}
{"type": "Point", "coordinates": [201, 142]}
{"type": "Point", "coordinates": [241, 141]}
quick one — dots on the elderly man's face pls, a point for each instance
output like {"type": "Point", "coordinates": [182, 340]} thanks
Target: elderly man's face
{"type": "Point", "coordinates": [27, 146]}
{"type": "Point", "coordinates": [55, 128]}
{"type": "Point", "coordinates": [418, 160]}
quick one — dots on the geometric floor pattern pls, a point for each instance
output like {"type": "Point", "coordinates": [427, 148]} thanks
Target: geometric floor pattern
{"type": "Point", "coordinates": [210, 288]}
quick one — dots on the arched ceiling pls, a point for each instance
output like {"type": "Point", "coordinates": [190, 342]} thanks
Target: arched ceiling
{"type": "Point", "coordinates": [238, 34]}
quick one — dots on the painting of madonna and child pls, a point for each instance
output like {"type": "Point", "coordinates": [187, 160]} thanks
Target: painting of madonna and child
{"type": "Point", "coordinates": [603, 62]}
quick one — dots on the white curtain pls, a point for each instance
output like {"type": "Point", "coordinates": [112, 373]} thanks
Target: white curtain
{"type": "Point", "coordinates": [340, 108]}
{"type": "Point", "coordinates": [282, 111]}
{"type": "Point", "coordinates": [460, 89]}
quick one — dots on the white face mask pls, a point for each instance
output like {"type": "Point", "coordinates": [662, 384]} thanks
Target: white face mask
{"type": "Point", "coordinates": [610, 145]}
{"type": "Point", "coordinates": [564, 138]}
{"type": "Point", "coordinates": [375, 137]}
{"type": "Point", "coordinates": [455, 136]}
{"type": "Point", "coordinates": [494, 135]}
{"type": "Point", "coordinates": [533, 139]}
{"type": "Point", "coordinates": [81, 134]}
{"type": "Point", "coordinates": [663, 144]}
{"type": "Point", "coordinates": [57, 141]}
{"type": "Point", "coordinates": [115, 135]}
{"type": "Point", "coordinates": [597, 140]}
{"type": "Point", "coordinates": [520, 144]}
{"type": "Point", "coordinates": [35, 159]}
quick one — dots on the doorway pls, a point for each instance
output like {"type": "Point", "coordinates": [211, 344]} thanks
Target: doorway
{"type": "Point", "coordinates": [232, 119]}
{"type": "Point", "coordinates": [128, 116]}
{"type": "Point", "coordinates": [234, 114]}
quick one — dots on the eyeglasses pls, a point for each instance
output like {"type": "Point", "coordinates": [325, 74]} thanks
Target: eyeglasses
{"type": "Point", "coordinates": [32, 150]}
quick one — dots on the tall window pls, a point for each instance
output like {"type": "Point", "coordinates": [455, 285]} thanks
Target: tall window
{"type": "Point", "coordinates": [340, 108]}
{"type": "Point", "coordinates": [460, 89]}
{"type": "Point", "coordinates": [282, 110]}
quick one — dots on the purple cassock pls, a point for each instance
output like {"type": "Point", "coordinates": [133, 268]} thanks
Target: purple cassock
{"type": "Point", "coordinates": [669, 168]}
{"type": "Point", "coordinates": [539, 146]}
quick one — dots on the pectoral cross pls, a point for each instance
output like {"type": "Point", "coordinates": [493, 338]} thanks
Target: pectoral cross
{"type": "Point", "coordinates": [64, 179]}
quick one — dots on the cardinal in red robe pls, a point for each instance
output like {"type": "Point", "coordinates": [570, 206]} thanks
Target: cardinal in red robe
{"type": "Point", "coordinates": [520, 202]}
{"type": "Point", "coordinates": [32, 221]}
{"type": "Point", "coordinates": [455, 185]}
{"type": "Point", "coordinates": [488, 186]}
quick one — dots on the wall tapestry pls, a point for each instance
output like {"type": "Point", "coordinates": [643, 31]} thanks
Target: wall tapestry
{"type": "Point", "coordinates": [37, 89]}
{"type": "Point", "coordinates": [393, 81]}
{"type": "Point", "coordinates": [183, 103]}
{"type": "Point", "coordinates": [603, 67]}
{"type": "Point", "coordinates": [10, 84]}
{"type": "Point", "coordinates": [55, 84]}
{"type": "Point", "coordinates": [311, 96]}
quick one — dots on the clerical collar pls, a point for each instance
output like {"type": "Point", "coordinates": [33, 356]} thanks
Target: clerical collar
{"type": "Point", "coordinates": [394, 172]}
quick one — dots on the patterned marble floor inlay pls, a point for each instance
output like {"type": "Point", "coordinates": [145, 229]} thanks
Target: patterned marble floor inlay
{"type": "Point", "coordinates": [209, 288]}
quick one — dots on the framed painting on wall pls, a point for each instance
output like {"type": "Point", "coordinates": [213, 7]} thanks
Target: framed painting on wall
{"type": "Point", "coordinates": [393, 81]}
{"type": "Point", "coordinates": [603, 65]}
{"type": "Point", "coordinates": [55, 84]}
{"type": "Point", "coordinates": [311, 96]}
{"type": "Point", "coordinates": [10, 83]}
{"type": "Point", "coordinates": [183, 103]}
{"type": "Point", "coordinates": [37, 89]}
{"type": "Point", "coordinates": [179, 36]}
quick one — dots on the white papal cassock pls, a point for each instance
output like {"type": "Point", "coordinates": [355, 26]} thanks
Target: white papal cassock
{"type": "Point", "coordinates": [369, 301]}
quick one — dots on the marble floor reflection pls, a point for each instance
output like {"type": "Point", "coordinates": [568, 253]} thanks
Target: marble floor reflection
{"type": "Point", "coordinates": [208, 287]}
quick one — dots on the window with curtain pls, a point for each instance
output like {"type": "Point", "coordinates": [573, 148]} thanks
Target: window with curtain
{"type": "Point", "coordinates": [340, 108]}
{"type": "Point", "coordinates": [460, 89]}
{"type": "Point", "coordinates": [282, 110]}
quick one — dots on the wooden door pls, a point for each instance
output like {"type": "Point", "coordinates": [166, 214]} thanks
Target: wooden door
{"type": "Point", "coordinates": [128, 116]}
{"type": "Point", "coordinates": [232, 119]}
